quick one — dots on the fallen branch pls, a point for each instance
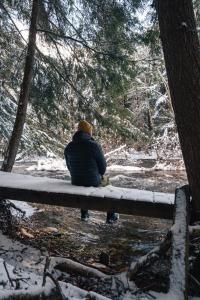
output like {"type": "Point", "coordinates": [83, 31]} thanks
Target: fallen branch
{"type": "Point", "coordinates": [114, 151]}
{"type": "Point", "coordinates": [194, 279]}
{"type": "Point", "coordinates": [71, 267]}
{"type": "Point", "coordinates": [8, 275]}
{"type": "Point", "coordinates": [46, 267]}
{"type": "Point", "coordinates": [58, 288]}
{"type": "Point", "coordinates": [150, 257]}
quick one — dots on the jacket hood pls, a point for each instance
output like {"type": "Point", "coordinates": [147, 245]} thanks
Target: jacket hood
{"type": "Point", "coordinates": [80, 136]}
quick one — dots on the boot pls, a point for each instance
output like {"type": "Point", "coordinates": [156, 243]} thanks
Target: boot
{"type": "Point", "coordinates": [112, 217]}
{"type": "Point", "coordinates": [84, 215]}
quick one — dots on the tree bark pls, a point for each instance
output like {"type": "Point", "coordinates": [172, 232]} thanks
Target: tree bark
{"type": "Point", "coordinates": [182, 58]}
{"type": "Point", "coordinates": [180, 246]}
{"type": "Point", "coordinates": [14, 141]}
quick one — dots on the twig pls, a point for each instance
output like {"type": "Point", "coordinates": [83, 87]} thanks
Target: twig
{"type": "Point", "coordinates": [58, 288]}
{"type": "Point", "coordinates": [21, 278]}
{"type": "Point", "coordinates": [46, 266]}
{"type": "Point", "coordinates": [114, 151]}
{"type": "Point", "coordinates": [4, 263]}
{"type": "Point", "coordinates": [194, 279]}
{"type": "Point", "coordinates": [150, 295]}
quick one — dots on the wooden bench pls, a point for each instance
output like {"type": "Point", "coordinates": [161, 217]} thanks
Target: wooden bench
{"type": "Point", "coordinates": [58, 192]}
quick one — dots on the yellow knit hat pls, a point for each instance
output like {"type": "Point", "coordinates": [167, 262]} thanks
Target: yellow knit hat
{"type": "Point", "coordinates": [85, 126]}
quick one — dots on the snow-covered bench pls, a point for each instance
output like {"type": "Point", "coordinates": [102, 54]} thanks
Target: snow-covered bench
{"type": "Point", "coordinates": [60, 192]}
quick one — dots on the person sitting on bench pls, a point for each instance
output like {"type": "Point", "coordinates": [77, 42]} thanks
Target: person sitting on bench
{"type": "Point", "coordinates": [86, 163]}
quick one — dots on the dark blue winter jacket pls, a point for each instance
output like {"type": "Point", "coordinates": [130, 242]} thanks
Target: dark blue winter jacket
{"type": "Point", "coordinates": [85, 160]}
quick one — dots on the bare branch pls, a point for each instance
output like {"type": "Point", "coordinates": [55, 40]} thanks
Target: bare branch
{"type": "Point", "coordinates": [46, 267]}
{"type": "Point", "coordinates": [58, 288]}
{"type": "Point", "coordinates": [9, 278]}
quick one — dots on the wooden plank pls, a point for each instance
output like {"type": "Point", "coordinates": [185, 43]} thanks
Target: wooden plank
{"type": "Point", "coordinates": [180, 242]}
{"type": "Point", "coordinates": [59, 192]}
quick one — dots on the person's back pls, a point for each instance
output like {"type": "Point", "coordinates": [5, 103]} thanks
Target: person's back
{"type": "Point", "coordinates": [85, 160]}
{"type": "Point", "coordinates": [86, 163]}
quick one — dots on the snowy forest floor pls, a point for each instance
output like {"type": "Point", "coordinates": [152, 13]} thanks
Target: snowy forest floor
{"type": "Point", "coordinates": [59, 232]}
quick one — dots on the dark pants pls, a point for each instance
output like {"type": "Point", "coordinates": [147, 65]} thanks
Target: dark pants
{"type": "Point", "coordinates": [85, 214]}
{"type": "Point", "coordinates": [110, 214]}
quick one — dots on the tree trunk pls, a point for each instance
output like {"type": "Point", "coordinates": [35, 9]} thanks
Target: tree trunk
{"type": "Point", "coordinates": [180, 245]}
{"type": "Point", "coordinates": [182, 58]}
{"type": "Point", "coordinates": [14, 141]}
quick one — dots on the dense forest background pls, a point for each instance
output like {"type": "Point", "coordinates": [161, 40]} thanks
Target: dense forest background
{"type": "Point", "coordinates": [98, 60]}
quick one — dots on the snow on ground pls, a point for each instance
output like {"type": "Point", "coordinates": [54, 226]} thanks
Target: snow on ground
{"type": "Point", "coordinates": [25, 266]}
{"type": "Point", "coordinates": [137, 155]}
{"type": "Point", "coordinates": [24, 206]}
{"type": "Point", "coordinates": [172, 166]}
{"type": "Point", "coordinates": [168, 296]}
{"type": "Point", "coordinates": [21, 256]}
{"type": "Point", "coordinates": [49, 164]}
{"type": "Point", "coordinates": [125, 169]}
{"type": "Point", "coordinates": [130, 160]}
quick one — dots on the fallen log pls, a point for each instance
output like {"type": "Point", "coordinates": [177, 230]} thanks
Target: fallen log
{"type": "Point", "coordinates": [150, 257]}
{"type": "Point", "coordinates": [72, 267]}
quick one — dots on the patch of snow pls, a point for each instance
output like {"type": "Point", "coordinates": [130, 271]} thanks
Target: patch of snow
{"type": "Point", "coordinates": [164, 166]}
{"type": "Point", "coordinates": [160, 101]}
{"type": "Point", "coordinates": [119, 177]}
{"type": "Point", "coordinates": [134, 155]}
{"type": "Point", "coordinates": [125, 169]}
{"type": "Point", "coordinates": [24, 206]}
{"type": "Point", "coordinates": [27, 264]}
{"type": "Point", "coordinates": [50, 164]}
{"type": "Point", "coordinates": [137, 155]}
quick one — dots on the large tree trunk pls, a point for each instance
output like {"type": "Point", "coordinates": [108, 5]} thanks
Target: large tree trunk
{"type": "Point", "coordinates": [182, 58]}
{"type": "Point", "coordinates": [14, 141]}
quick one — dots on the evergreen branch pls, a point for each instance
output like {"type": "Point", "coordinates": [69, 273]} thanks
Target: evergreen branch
{"type": "Point", "coordinates": [66, 78]}
{"type": "Point", "coordinates": [62, 36]}
{"type": "Point", "coordinates": [73, 39]}
{"type": "Point", "coordinates": [74, 28]}
{"type": "Point", "coordinates": [84, 43]}
{"type": "Point", "coordinates": [11, 19]}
